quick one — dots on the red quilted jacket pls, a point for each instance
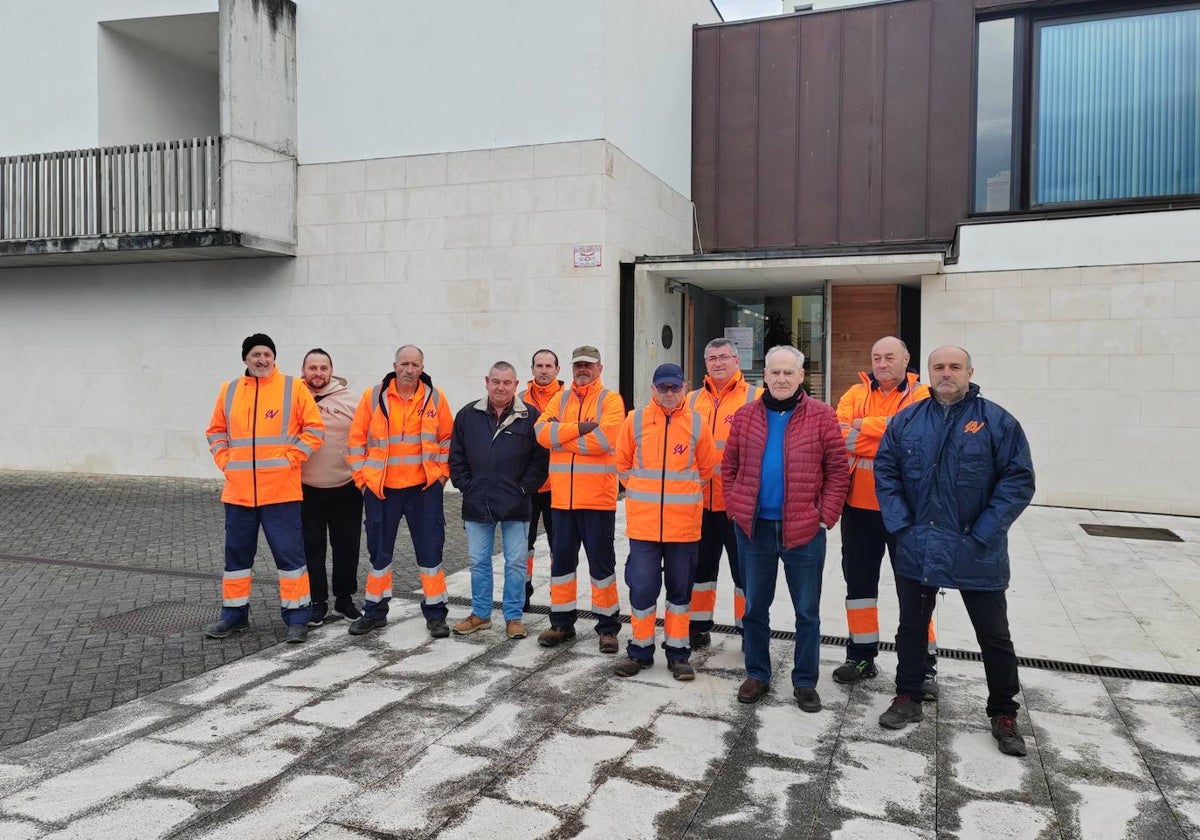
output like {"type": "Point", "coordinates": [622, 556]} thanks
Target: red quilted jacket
{"type": "Point", "coordinates": [814, 464]}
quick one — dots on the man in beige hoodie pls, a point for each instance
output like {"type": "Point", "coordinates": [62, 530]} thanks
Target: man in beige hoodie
{"type": "Point", "coordinates": [332, 505]}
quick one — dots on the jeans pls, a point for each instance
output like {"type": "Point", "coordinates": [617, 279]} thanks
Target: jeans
{"type": "Point", "coordinates": [989, 616]}
{"type": "Point", "coordinates": [802, 568]}
{"type": "Point", "coordinates": [480, 537]}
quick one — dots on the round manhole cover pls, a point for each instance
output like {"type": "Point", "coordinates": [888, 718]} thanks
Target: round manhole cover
{"type": "Point", "coordinates": [165, 619]}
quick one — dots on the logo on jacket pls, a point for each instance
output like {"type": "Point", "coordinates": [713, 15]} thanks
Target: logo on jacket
{"type": "Point", "coordinates": [431, 412]}
{"type": "Point", "coordinates": [271, 413]}
{"type": "Point", "coordinates": [973, 427]}
{"type": "Point", "coordinates": [680, 448]}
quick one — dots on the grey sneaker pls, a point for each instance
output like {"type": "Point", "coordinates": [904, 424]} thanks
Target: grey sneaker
{"type": "Point", "coordinates": [1008, 737]}
{"type": "Point", "coordinates": [929, 688]}
{"type": "Point", "coordinates": [853, 670]}
{"type": "Point", "coordinates": [903, 711]}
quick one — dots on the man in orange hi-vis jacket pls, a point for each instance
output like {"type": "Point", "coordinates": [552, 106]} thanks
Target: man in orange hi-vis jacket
{"type": "Point", "coordinates": [665, 454]}
{"type": "Point", "coordinates": [724, 391]}
{"type": "Point", "coordinates": [863, 414]}
{"type": "Point", "coordinates": [544, 386]}
{"type": "Point", "coordinates": [579, 427]}
{"type": "Point", "coordinates": [263, 427]}
{"type": "Point", "coordinates": [399, 455]}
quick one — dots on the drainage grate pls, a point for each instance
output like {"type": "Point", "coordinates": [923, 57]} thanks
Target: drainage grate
{"type": "Point", "coordinates": [1132, 532]}
{"type": "Point", "coordinates": [165, 619]}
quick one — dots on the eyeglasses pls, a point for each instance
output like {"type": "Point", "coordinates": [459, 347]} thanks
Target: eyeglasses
{"type": "Point", "coordinates": [668, 389]}
{"type": "Point", "coordinates": [722, 358]}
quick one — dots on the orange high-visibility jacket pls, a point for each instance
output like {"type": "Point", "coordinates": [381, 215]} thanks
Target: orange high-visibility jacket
{"type": "Point", "coordinates": [663, 459]}
{"type": "Point", "coordinates": [867, 400]}
{"type": "Point", "coordinates": [717, 410]}
{"type": "Point", "coordinates": [583, 470]}
{"type": "Point", "coordinates": [396, 442]}
{"type": "Point", "coordinates": [261, 431]}
{"type": "Point", "coordinates": [537, 398]}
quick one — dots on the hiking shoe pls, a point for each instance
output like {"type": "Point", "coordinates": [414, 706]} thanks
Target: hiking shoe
{"type": "Point", "coordinates": [629, 666]}
{"type": "Point", "coordinates": [700, 640]}
{"type": "Point", "coordinates": [807, 699]}
{"type": "Point", "coordinates": [439, 629]}
{"type": "Point", "coordinates": [682, 671]}
{"type": "Point", "coordinates": [853, 670]}
{"type": "Point", "coordinates": [344, 608]}
{"type": "Point", "coordinates": [1008, 738]}
{"type": "Point", "coordinates": [608, 643]}
{"type": "Point", "coordinates": [470, 624]}
{"type": "Point", "coordinates": [929, 688]}
{"type": "Point", "coordinates": [751, 691]}
{"type": "Point", "coordinates": [903, 711]}
{"type": "Point", "coordinates": [515, 629]}
{"type": "Point", "coordinates": [555, 636]}
{"type": "Point", "coordinates": [365, 624]}
{"type": "Point", "coordinates": [296, 633]}
{"type": "Point", "coordinates": [316, 613]}
{"type": "Point", "coordinates": [226, 628]}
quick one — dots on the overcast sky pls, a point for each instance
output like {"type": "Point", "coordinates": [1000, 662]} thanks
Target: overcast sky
{"type": "Point", "coordinates": [738, 9]}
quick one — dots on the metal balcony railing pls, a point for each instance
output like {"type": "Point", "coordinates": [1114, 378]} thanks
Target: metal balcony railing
{"type": "Point", "coordinates": [153, 188]}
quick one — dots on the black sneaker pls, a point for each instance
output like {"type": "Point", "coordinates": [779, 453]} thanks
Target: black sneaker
{"type": "Point", "coordinates": [853, 670]}
{"type": "Point", "coordinates": [296, 633]}
{"type": "Point", "coordinates": [700, 640]}
{"type": "Point", "coordinates": [903, 711]}
{"type": "Point", "coordinates": [438, 628]}
{"type": "Point", "coordinates": [223, 628]}
{"type": "Point", "coordinates": [344, 608]}
{"type": "Point", "coordinates": [929, 688]}
{"type": "Point", "coordinates": [629, 666]}
{"type": "Point", "coordinates": [317, 612]}
{"type": "Point", "coordinates": [1008, 738]}
{"type": "Point", "coordinates": [364, 625]}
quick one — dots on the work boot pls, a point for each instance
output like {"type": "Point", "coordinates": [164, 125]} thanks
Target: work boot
{"type": "Point", "coordinates": [903, 711]}
{"type": "Point", "coordinates": [807, 699]}
{"type": "Point", "coordinates": [439, 629]}
{"type": "Point", "coordinates": [682, 670]}
{"type": "Point", "coordinates": [296, 633]}
{"type": "Point", "coordinates": [629, 666]}
{"type": "Point", "coordinates": [224, 628]}
{"type": "Point", "coordinates": [343, 607]}
{"type": "Point", "coordinates": [699, 640]}
{"type": "Point", "coordinates": [1008, 738]}
{"type": "Point", "coordinates": [929, 688]}
{"type": "Point", "coordinates": [515, 629]}
{"type": "Point", "coordinates": [853, 670]}
{"type": "Point", "coordinates": [472, 623]}
{"type": "Point", "coordinates": [555, 636]}
{"type": "Point", "coordinates": [316, 613]}
{"type": "Point", "coordinates": [751, 691]}
{"type": "Point", "coordinates": [365, 624]}
{"type": "Point", "coordinates": [608, 643]}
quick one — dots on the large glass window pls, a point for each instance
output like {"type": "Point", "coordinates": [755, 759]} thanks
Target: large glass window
{"type": "Point", "coordinates": [994, 116]}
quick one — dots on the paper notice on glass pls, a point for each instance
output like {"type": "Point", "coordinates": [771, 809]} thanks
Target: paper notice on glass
{"type": "Point", "coordinates": [743, 340]}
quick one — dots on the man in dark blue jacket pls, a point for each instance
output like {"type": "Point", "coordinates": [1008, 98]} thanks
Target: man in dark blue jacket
{"type": "Point", "coordinates": [952, 475]}
{"type": "Point", "coordinates": [496, 462]}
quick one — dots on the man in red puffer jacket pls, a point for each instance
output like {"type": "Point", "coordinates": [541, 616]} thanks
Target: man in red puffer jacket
{"type": "Point", "coordinates": [785, 480]}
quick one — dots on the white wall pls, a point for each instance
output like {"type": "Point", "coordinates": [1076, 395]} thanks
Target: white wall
{"type": "Point", "coordinates": [52, 49]}
{"type": "Point", "coordinates": [147, 95]}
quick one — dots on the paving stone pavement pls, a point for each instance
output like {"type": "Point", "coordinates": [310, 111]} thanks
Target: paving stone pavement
{"type": "Point", "coordinates": [78, 549]}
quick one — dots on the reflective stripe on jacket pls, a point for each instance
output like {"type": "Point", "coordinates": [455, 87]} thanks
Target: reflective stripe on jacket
{"type": "Point", "coordinates": [397, 442]}
{"type": "Point", "coordinates": [663, 459]}
{"type": "Point", "coordinates": [867, 401]}
{"type": "Point", "coordinates": [537, 398]}
{"type": "Point", "coordinates": [583, 470]}
{"type": "Point", "coordinates": [261, 431]}
{"type": "Point", "coordinates": [717, 409]}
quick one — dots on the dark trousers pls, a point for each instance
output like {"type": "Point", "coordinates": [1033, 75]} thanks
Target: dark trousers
{"type": "Point", "coordinates": [716, 535]}
{"type": "Point", "coordinates": [541, 510]}
{"type": "Point", "coordinates": [594, 530]}
{"type": "Point", "coordinates": [281, 525]}
{"type": "Point", "coordinates": [650, 566]}
{"type": "Point", "coordinates": [422, 508]}
{"type": "Point", "coordinates": [335, 513]}
{"type": "Point", "coordinates": [989, 616]}
{"type": "Point", "coordinates": [864, 540]}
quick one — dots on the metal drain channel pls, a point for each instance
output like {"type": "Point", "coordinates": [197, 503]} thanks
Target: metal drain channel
{"type": "Point", "coordinates": [1192, 680]}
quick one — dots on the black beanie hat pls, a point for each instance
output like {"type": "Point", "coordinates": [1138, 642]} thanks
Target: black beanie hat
{"type": "Point", "coordinates": [257, 340]}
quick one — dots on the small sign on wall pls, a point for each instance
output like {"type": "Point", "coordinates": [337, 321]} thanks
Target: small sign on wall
{"type": "Point", "coordinates": [743, 339]}
{"type": "Point", "coordinates": [587, 256]}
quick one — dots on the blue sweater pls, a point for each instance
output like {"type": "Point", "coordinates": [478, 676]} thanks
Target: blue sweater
{"type": "Point", "coordinates": [770, 490]}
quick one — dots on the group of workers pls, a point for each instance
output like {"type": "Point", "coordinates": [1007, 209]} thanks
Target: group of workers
{"type": "Point", "coordinates": [935, 475]}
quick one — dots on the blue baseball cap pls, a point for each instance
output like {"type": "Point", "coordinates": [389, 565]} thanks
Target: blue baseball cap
{"type": "Point", "coordinates": [668, 374]}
